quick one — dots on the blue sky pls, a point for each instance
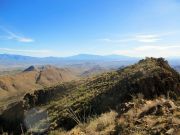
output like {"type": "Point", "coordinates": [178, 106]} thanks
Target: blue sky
{"type": "Point", "coordinates": [68, 27]}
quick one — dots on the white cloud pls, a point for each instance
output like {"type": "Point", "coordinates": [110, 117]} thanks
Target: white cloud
{"type": "Point", "coordinates": [116, 40]}
{"type": "Point", "coordinates": [152, 51]}
{"type": "Point", "coordinates": [137, 38]}
{"type": "Point", "coordinates": [147, 38]}
{"type": "Point", "coordinates": [21, 50]}
{"type": "Point", "coordinates": [38, 53]}
{"type": "Point", "coordinates": [141, 38]}
{"type": "Point", "coordinates": [13, 36]}
{"type": "Point", "coordinates": [23, 39]}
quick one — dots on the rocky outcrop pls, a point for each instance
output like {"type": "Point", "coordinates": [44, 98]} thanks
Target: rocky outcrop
{"type": "Point", "coordinates": [151, 77]}
{"type": "Point", "coordinates": [152, 117]}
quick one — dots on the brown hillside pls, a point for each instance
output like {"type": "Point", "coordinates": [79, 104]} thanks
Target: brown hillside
{"type": "Point", "coordinates": [33, 78]}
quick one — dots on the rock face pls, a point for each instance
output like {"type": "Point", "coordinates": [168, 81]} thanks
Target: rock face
{"type": "Point", "coordinates": [150, 77]}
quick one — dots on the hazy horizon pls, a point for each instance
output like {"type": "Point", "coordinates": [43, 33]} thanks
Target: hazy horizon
{"type": "Point", "coordinates": [63, 28]}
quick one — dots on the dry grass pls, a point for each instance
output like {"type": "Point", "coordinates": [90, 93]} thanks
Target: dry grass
{"type": "Point", "coordinates": [130, 122]}
{"type": "Point", "coordinates": [103, 125]}
{"type": "Point", "coordinates": [158, 116]}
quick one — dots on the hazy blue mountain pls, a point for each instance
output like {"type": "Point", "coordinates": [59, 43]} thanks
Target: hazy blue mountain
{"type": "Point", "coordinates": [11, 57]}
{"type": "Point", "coordinates": [110, 61]}
{"type": "Point", "coordinates": [75, 57]}
{"type": "Point", "coordinates": [99, 57]}
{"type": "Point", "coordinates": [113, 61]}
{"type": "Point", "coordinates": [10, 60]}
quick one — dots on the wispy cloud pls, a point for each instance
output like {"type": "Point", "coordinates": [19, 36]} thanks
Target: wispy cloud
{"type": "Point", "coordinates": [147, 38]}
{"type": "Point", "coordinates": [26, 51]}
{"type": "Point", "coordinates": [137, 38]}
{"type": "Point", "coordinates": [13, 36]}
{"type": "Point", "coordinates": [144, 38]}
{"type": "Point", "coordinates": [38, 53]}
{"type": "Point", "coordinates": [116, 40]}
{"type": "Point", "coordinates": [152, 51]}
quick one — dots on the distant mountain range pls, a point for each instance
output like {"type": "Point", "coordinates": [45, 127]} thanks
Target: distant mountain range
{"type": "Point", "coordinates": [99, 57]}
{"type": "Point", "coordinates": [14, 61]}
{"type": "Point", "coordinates": [10, 61]}
{"type": "Point", "coordinates": [74, 57]}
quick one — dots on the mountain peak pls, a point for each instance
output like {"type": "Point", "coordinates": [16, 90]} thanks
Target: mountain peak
{"type": "Point", "coordinates": [31, 68]}
{"type": "Point", "coordinates": [156, 62]}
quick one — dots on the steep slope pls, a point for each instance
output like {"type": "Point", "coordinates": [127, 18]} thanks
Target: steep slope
{"type": "Point", "coordinates": [51, 75]}
{"type": "Point", "coordinates": [12, 61]}
{"type": "Point", "coordinates": [33, 78]}
{"type": "Point", "coordinates": [150, 77]}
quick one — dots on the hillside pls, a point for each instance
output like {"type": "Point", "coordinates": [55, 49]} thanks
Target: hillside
{"type": "Point", "coordinates": [33, 78]}
{"type": "Point", "coordinates": [94, 71]}
{"type": "Point", "coordinates": [70, 104]}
